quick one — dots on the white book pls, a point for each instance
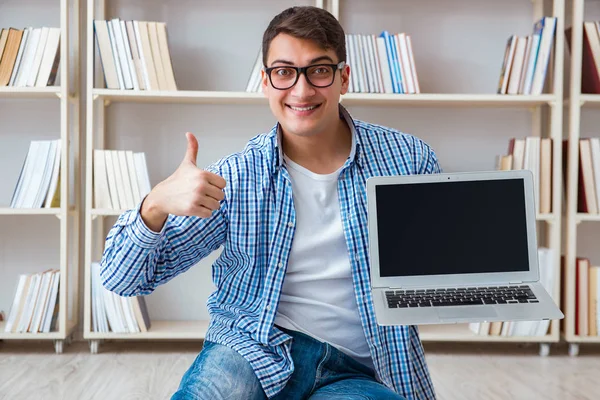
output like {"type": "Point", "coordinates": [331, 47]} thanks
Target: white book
{"type": "Point", "coordinates": [385, 66]}
{"type": "Point", "coordinates": [373, 61]}
{"type": "Point", "coordinates": [376, 62]}
{"type": "Point", "coordinates": [523, 78]}
{"type": "Point", "coordinates": [367, 64]}
{"type": "Point", "coordinates": [17, 303]}
{"type": "Point", "coordinates": [146, 57]}
{"type": "Point", "coordinates": [135, 54]}
{"type": "Point", "coordinates": [101, 189]}
{"type": "Point", "coordinates": [167, 63]}
{"type": "Point", "coordinates": [133, 179]}
{"type": "Point", "coordinates": [130, 322]}
{"type": "Point", "coordinates": [413, 68]}
{"type": "Point", "coordinates": [255, 73]}
{"type": "Point", "coordinates": [157, 56]}
{"type": "Point", "coordinates": [42, 301]}
{"type": "Point", "coordinates": [30, 51]}
{"type": "Point", "coordinates": [37, 174]}
{"type": "Point", "coordinates": [362, 78]}
{"type": "Point", "coordinates": [128, 55]}
{"type": "Point", "coordinates": [31, 300]}
{"type": "Point", "coordinates": [48, 165]}
{"type": "Point", "coordinates": [49, 57]}
{"type": "Point", "coordinates": [53, 187]}
{"type": "Point", "coordinates": [37, 59]}
{"type": "Point", "coordinates": [142, 174]}
{"type": "Point", "coordinates": [107, 58]}
{"type": "Point", "coordinates": [22, 47]}
{"type": "Point", "coordinates": [113, 45]}
{"type": "Point", "coordinates": [112, 180]}
{"type": "Point", "coordinates": [124, 179]}
{"type": "Point", "coordinates": [543, 56]}
{"type": "Point", "coordinates": [122, 53]}
{"type": "Point", "coordinates": [350, 63]}
{"type": "Point", "coordinates": [94, 276]}
{"type": "Point", "coordinates": [47, 322]}
{"type": "Point", "coordinates": [98, 299]}
{"type": "Point", "coordinates": [517, 65]}
{"type": "Point", "coordinates": [407, 74]}
{"type": "Point", "coordinates": [24, 176]}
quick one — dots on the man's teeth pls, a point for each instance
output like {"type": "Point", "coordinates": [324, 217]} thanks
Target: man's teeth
{"type": "Point", "coordinates": [303, 108]}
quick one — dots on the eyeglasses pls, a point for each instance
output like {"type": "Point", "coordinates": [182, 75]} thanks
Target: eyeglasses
{"type": "Point", "coordinates": [318, 75]}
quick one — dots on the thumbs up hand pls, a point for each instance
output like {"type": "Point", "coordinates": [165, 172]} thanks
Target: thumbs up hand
{"type": "Point", "coordinates": [189, 191]}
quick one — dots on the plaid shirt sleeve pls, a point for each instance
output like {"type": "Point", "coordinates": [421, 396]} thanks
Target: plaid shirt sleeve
{"type": "Point", "coordinates": [136, 259]}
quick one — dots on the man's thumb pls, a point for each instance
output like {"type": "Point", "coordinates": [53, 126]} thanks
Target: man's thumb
{"type": "Point", "coordinates": [192, 148]}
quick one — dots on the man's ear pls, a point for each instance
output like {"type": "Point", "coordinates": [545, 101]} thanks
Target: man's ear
{"type": "Point", "coordinates": [264, 81]}
{"type": "Point", "coordinates": [345, 75]}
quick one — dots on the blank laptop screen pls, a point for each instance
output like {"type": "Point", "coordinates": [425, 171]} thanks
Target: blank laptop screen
{"type": "Point", "coordinates": [452, 228]}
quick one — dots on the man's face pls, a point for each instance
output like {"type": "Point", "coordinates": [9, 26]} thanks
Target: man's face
{"type": "Point", "coordinates": [304, 110]}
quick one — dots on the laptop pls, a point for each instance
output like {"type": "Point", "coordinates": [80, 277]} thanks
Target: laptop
{"type": "Point", "coordinates": [455, 247]}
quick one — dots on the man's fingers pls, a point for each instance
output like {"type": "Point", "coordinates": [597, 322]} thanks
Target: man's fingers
{"type": "Point", "coordinates": [191, 152]}
{"type": "Point", "coordinates": [216, 180]}
{"type": "Point", "coordinates": [214, 192]}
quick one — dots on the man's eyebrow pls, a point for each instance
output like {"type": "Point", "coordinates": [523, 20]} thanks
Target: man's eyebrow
{"type": "Point", "coordinates": [314, 60]}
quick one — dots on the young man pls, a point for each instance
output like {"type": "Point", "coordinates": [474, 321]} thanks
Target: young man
{"type": "Point", "coordinates": [292, 316]}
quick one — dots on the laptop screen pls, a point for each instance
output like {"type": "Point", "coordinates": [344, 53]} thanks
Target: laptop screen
{"type": "Point", "coordinates": [452, 228]}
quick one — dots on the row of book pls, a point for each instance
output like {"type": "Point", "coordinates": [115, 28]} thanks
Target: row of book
{"type": "Point", "coordinates": [134, 54]}
{"type": "Point", "coordinates": [29, 56]}
{"type": "Point", "coordinates": [590, 57]}
{"type": "Point", "coordinates": [548, 278]}
{"type": "Point", "coordinates": [588, 200]}
{"type": "Point", "coordinates": [526, 60]}
{"type": "Point", "coordinates": [381, 64]}
{"type": "Point", "coordinates": [535, 154]}
{"type": "Point", "coordinates": [587, 291]}
{"type": "Point", "coordinates": [36, 303]}
{"type": "Point", "coordinates": [378, 64]}
{"type": "Point", "coordinates": [121, 179]}
{"type": "Point", "coordinates": [39, 181]}
{"type": "Point", "coordinates": [114, 313]}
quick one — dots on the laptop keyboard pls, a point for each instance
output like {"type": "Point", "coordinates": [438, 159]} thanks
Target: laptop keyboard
{"type": "Point", "coordinates": [460, 296]}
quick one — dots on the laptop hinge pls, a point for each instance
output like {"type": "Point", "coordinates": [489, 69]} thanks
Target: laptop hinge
{"type": "Point", "coordinates": [515, 282]}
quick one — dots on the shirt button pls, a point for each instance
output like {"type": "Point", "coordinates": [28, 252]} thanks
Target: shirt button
{"type": "Point", "coordinates": [268, 308]}
{"type": "Point", "coordinates": [280, 265]}
{"type": "Point", "coordinates": [290, 224]}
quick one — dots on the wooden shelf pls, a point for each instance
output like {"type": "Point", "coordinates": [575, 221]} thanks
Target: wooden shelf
{"type": "Point", "coordinates": [590, 100]}
{"type": "Point", "coordinates": [160, 330]}
{"type": "Point", "coordinates": [30, 92]}
{"type": "Point", "coordinates": [585, 217]}
{"type": "Point", "coordinates": [179, 96]}
{"type": "Point", "coordinates": [462, 333]}
{"type": "Point", "coordinates": [421, 100]}
{"type": "Point", "coordinates": [105, 212]}
{"type": "Point", "coordinates": [583, 339]}
{"type": "Point", "coordinates": [37, 336]}
{"type": "Point", "coordinates": [448, 100]}
{"type": "Point", "coordinates": [29, 211]}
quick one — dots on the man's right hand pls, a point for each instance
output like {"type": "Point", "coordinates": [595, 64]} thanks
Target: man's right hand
{"type": "Point", "coordinates": [189, 191]}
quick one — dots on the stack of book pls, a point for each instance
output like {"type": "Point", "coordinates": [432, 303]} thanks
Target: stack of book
{"type": "Point", "coordinates": [134, 54]}
{"type": "Point", "coordinates": [381, 64]}
{"type": "Point", "coordinates": [114, 313]}
{"type": "Point", "coordinates": [36, 303]}
{"type": "Point", "coordinates": [29, 57]}
{"type": "Point", "coordinates": [548, 278]}
{"type": "Point", "coordinates": [121, 179]}
{"type": "Point", "coordinates": [39, 181]}
{"type": "Point", "coordinates": [587, 289]}
{"type": "Point", "coordinates": [588, 200]}
{"type": "Point", "coordinates": [535, 154]}
{"type": "Point", "coordinates": [526, 60]}
{"type": "Point", "coordinates": [590, 58]}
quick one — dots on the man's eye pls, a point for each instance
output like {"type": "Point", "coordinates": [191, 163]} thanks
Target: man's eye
{"type": "Point", "coordinates": [283, 71]}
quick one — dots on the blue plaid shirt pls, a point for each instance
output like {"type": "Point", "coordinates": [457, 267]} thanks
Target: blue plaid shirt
{"type": "Point", "coordinates": [255, 225]}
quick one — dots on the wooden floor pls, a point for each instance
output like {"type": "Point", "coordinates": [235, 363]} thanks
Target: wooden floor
{"type": "Point", "coordinates": [138, 370]}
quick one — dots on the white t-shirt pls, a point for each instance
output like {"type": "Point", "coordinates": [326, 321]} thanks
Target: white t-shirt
{"type": "Point", "coordinates": [318, 297]}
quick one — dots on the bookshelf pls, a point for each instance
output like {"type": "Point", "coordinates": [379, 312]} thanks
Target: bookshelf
{"type": "Point", "coordinates": [543, 113]}
{"type": "Point", "coordinates": [66, 232]}
{"type": "Point", "coordinates": [582, 122]}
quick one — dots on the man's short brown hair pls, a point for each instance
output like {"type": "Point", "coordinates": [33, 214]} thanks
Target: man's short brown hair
{"type": "Point", "coordinates": [307, 22]}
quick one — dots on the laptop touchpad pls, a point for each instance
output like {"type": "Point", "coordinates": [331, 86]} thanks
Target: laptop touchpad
{"type": "Point", "coordinates": [466, 312]}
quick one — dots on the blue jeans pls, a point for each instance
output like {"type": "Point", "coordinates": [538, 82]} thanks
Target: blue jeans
{"type": "Point", "coordinates": [320, 372]}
